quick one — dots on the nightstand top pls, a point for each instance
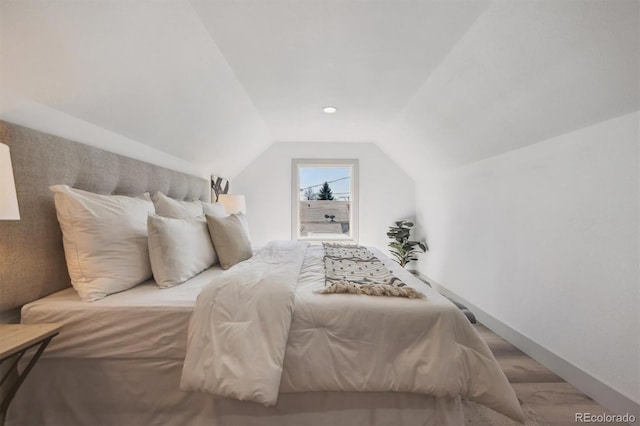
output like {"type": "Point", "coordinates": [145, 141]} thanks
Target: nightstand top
{"type": "Point", "coordinates": [15, 337]}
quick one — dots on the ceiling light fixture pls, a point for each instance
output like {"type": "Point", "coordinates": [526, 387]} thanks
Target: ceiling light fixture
{"type": "Point", "coordinates": [329, 109]}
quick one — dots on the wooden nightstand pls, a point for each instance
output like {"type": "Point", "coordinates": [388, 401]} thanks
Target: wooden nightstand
{"type": "Point", "coordinates": [15, 341]}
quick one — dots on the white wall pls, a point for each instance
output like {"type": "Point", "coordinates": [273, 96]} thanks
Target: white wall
{"type": "Point", "coordinates": [386, 192]}
{"type": "Point", "coordinates": [545, 239]}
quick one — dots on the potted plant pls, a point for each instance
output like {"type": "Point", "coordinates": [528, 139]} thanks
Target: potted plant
{"type": "Point", "coordinates": [403, 249]}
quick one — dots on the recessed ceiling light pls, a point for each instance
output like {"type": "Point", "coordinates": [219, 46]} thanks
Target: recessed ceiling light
{"type": "Point", "coordinates": [329, 109]}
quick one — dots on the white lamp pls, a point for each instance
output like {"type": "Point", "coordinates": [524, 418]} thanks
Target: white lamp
{"type": "Point", "coordinates": [233, 203]}
{"type": "Point", "coordinates": [8, 198]}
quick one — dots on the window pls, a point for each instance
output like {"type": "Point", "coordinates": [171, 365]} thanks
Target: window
{"type": "Point", "coordinates": [324, 203]}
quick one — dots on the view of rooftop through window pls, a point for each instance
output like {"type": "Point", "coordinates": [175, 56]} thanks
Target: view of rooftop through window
{"type": "Point", "coordinates": [325, 200]}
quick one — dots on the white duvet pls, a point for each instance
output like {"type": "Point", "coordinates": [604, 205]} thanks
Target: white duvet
{"type": "Point", "coordinates": [260, 329]}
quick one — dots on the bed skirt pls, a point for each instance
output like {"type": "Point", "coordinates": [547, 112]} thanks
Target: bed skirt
{"type": "Point", "coordinates": [62, 391]}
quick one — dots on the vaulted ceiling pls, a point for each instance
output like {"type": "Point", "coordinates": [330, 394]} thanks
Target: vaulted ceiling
{"type": "Point", "coordinates": [433, 83]}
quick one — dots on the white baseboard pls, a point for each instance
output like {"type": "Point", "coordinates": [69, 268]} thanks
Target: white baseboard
{"type": "Point", "coordinates": [604, 395]}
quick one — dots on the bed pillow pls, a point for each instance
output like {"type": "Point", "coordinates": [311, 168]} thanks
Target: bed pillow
{"type": "Point", "coordinates": [245, 224]}
{"type": "Point", "coordinates": [105, 240]}
{"type": "Point", "coordinates": [178, 248]}
{"type": "Point", "coordinates": [229, 239]}
{"type": "Point", "coordinates": [214, 209]}
{"type": "Point", "coordinates": [217, 209]}
{"type": "Point", "coordinates": [168, 207]}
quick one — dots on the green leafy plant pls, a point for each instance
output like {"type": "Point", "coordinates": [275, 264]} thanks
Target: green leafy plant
{"type": "Point", "coordinates": [403, 249]}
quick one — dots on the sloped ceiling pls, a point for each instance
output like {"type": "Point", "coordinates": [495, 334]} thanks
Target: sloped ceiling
{"type": "Point", "coordinates": [524, 72]}
{"type": "Point", "coordinates": [434, 83]}
{"type": "Point", "coordinates": [147, 70]}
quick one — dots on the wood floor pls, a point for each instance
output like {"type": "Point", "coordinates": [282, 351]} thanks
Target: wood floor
{"type": "Point", "coordinates": [547, 394]}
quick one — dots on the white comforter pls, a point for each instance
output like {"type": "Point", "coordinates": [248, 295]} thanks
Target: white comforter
{"type": "Point", "coordinates": [260, 329]}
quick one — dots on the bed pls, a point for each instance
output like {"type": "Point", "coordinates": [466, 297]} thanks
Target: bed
{"type": "Point", "coordinates": [120, 360]}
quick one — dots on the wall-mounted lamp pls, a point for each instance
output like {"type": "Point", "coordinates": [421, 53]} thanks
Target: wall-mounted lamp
{"type": "Point", "coordinates": [233, 203]}
{"type": "Point", "coordinates": [8, 198]}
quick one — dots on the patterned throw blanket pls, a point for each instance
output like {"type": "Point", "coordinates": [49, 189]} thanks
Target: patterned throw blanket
{"type": "Point", "coordinates": [354, 269]}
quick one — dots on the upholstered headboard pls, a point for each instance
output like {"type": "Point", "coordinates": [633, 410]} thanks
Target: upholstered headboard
{"type": "Point", "coordinates": [32, 262]}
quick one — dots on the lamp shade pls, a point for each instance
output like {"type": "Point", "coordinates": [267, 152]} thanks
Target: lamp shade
{"type": "Point", "coordinates": [8, 199]}
{"type": "Point", "coordinates": [233, 203]}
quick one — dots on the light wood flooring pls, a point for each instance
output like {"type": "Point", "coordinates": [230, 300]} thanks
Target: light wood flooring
{"type": "Point", "coordinates": [547, 394]}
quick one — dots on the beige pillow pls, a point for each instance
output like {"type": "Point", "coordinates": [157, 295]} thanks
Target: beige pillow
{"type": "Point", "coordinates": [179, 249]}
{"type": "Point", "coordinates": [229, 239]}
{"type": "Point", "coordinates": [105, 240]}
{"type": "Point", "coordinates": [217, 209]}
{"type": "Point", "coordinates": [245, 224]}
{"type": "Point", "coordinates": [168, 207]}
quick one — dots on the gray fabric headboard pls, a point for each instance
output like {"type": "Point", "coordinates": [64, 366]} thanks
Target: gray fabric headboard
{"type": "Point", "coordinates": [32, 263]}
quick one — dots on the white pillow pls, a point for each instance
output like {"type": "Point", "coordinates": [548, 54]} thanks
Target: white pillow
{"type": "Point", "coordinates": [179, 248]}
{"type": "Point", "coordinates": [213, 209]}
{"type": "Point", "coordinates": [168, 207]}
{"type": "Point", "coordinates": [105, 240]}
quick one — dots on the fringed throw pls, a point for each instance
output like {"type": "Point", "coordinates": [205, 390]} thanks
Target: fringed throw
{"type": "Point", "coordinates": [355, 270]}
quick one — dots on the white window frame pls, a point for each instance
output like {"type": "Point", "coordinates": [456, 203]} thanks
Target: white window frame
{"type": "Point", "coordinates": [296, 164]}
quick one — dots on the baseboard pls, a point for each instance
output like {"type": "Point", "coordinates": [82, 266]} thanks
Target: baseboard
{"type": "Point", "coordinates": [603, 394]}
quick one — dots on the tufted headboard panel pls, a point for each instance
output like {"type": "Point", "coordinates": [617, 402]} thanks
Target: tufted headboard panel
{"type": "Point", "coordinates": [32, 263]}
